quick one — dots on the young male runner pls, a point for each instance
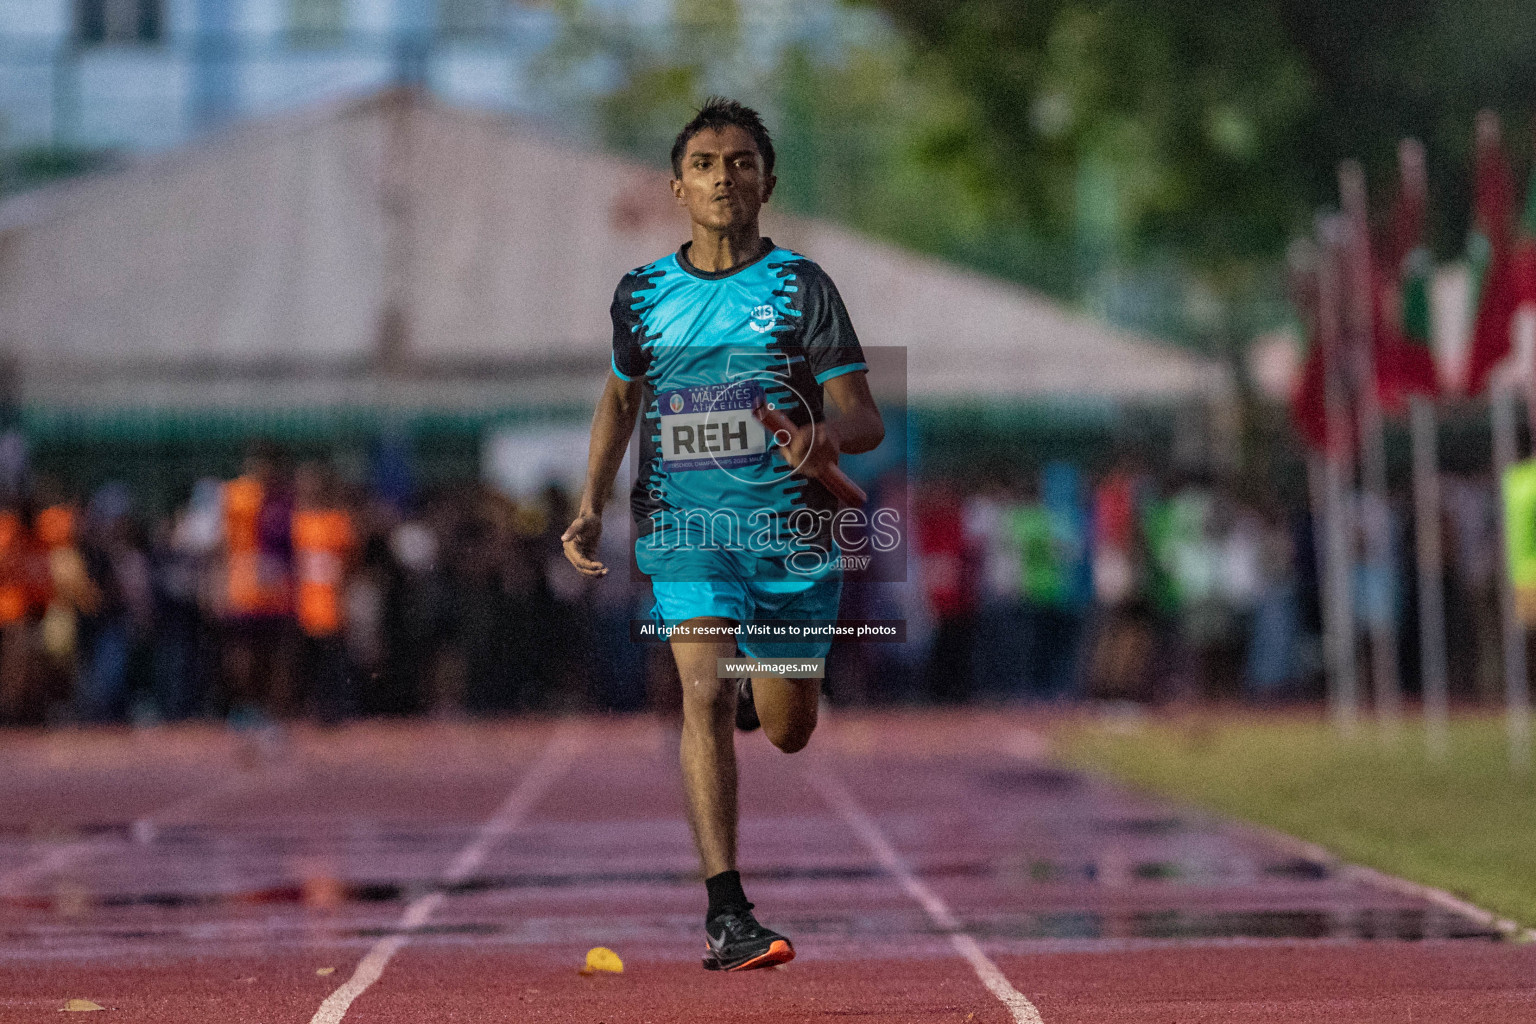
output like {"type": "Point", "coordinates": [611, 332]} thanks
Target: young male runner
{"type": "Point", "coordinates": [734, 525]}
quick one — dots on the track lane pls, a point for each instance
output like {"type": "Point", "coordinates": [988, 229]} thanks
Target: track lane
{"type": "Point", "coordinates": [76, 798]}
{"type": "Point", "coordinates": [1286, 983]}
{"type": "Point", "coordinates": [230, 914]}
{"type": "Point", "coordinates": [1107, 906]}
{"type": "Point", "coordinates": [565, 745]}
{"type": "Point", "coordinates": [837, 796]}
{"type": "Point", "coordinates": [614, 840]}
{"type": "Point", "coordinates": [315, 870]}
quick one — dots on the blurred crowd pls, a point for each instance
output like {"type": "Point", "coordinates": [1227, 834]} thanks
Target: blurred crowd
{"type": "Point", "coordinates": [1061, 584]}
{"type": "Point", "coordinates": [290, 592]}
{"type": "Point", "coordinates": [1155, 587]}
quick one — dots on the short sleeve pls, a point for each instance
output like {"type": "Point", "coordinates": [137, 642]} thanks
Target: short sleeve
{"type": "Point", "coordinates": [630, 359]}
{"type": "Point", "coordinates": [831, 346]}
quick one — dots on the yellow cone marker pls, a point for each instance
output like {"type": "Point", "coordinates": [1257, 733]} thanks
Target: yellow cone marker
{"type": "Point", "coordinates": [80, 1006]}
{"type": "Point", "coordinates": [603, 959]}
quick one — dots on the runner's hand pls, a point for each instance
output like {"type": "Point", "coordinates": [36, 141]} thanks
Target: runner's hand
{"type": "Point", "coordinates": [812, 448]}
{"type": "Point", "coordinates": [580, 544]}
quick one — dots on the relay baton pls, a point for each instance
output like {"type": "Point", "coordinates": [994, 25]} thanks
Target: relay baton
{"type": "Point", "coordinates": [835, 480]}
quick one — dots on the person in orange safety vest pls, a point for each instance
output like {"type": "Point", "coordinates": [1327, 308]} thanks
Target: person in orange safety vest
{"type": "Point", "coordinates": [257, 607]}
{"type": "Point", "coordinates": [15, 631]}
{"type": "Point", "coordinates": [324, 541]}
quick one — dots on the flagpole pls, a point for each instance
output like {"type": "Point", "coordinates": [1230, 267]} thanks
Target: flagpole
{"type": "Point", "coordinates": [1517, 715]}
{"type": "Point", "coordinates": [1337, 472]}
{"type": "Point", "coordinates": [1433, 670]}
{"type": "Point", "coordinates": [1414, 272]}
{"type": "Point", "coordinates": [1359, 320]}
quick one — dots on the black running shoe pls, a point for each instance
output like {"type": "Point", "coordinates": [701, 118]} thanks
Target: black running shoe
{"type": "Point", "coordinates": [738, 943]}
{"type": "Point", "coordinates": [746, 711]}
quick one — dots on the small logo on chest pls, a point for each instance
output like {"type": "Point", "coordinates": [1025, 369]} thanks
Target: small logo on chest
{"type": "Point", "coordinates": [764, 319]}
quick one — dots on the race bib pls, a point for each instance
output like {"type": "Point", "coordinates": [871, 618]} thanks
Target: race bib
{"type": "Point", "coordinates": [711, 427]}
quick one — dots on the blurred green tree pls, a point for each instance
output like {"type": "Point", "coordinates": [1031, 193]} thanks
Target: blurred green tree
{"type": "Point", "coordinates": [1149, 158]}
{"type": "Point", "coordinates": [1133, 130]}
{"type": "Point", "coordinates": [869, 133]}
{"type": "Point", "coordinates": [1216, 129]}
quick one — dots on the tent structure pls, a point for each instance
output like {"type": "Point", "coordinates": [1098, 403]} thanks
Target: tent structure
{"type": "Point", "coordinates": [395, 253]}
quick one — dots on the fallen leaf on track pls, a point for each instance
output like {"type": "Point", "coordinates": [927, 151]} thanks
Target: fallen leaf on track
{"type": "Point", "coordinates": [323, 971]}
{"type": "Point", "coordinates": [80, 1006]}
{"type": "Point", "coordinates": [602, 959]}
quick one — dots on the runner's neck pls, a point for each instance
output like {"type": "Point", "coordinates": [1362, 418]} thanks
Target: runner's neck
{"type": "Point", "coordinates": [714, 254]}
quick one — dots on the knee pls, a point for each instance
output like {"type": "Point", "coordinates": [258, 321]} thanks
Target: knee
{"type": "Point", "coordinates": [792, 741]}
{"type": "Point", "coordinates": [706, 697]}
{"type": "Point", "coordinates": [791, 737]}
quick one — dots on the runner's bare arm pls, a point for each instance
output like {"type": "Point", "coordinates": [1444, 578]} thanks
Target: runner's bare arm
{"type": "Point", "coordinates": [857, 427]}
{"type": "Point", "coordinates": [612, 424]}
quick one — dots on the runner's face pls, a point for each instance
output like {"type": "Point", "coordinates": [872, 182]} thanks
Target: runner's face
{"type": "Point", "coordinates": [723, 184]}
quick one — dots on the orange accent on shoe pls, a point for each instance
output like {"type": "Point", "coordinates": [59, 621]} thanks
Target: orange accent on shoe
{"type": "Point", "coordinates": [780, 952]}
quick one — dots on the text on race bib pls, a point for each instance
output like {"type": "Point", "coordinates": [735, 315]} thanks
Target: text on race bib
{"type": "Point", "coordinates": [710, 427]}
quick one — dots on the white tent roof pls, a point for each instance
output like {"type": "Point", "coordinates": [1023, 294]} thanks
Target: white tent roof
{"type": "Point", "coordinates": [263, 266]}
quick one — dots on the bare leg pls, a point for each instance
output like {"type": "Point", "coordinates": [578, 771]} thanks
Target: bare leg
{"type": "Point", "coordinates": [708, 749]}
{"type": "Point", "coordinates": [787, 709]}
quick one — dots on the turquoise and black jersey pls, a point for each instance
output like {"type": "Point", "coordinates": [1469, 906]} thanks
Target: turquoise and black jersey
{"type": "Point", "coordinates": [708, 346]}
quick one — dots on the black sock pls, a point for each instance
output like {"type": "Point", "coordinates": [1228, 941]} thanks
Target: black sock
{"type": "Point", "coordinates": [725, 893]}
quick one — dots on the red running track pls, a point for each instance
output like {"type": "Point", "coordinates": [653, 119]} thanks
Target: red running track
{"type": "Point", "coordinates": [460, 873]}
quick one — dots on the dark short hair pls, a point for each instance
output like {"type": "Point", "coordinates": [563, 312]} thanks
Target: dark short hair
{"type": "Point", "coordinates": [719, 112]}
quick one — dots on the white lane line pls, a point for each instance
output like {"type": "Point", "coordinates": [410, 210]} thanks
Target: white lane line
{"type": "Point", "coordinates": [551, 764]}
{"type": "Point", "coordinates": [142, 831]}
{"type": "Point", "coordinates": [842, 801]}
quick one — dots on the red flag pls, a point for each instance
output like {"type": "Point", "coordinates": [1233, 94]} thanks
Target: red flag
{"type": "Point", "coordinates": [1309, 396]}
{"type": "Point", "coordinates": [1494, 294]}
{"type": "Point", "coordinates": [1405, 362]}
{"type": "Point", "coordinates": [1404, 366]}
{"type": "Point", "coordinates": [1522, 258]}
{"type": "Point", "coordinates": [1309, 400]}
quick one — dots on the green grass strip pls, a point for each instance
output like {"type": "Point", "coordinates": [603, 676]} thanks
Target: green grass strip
{"type": "Point", "coordinates": [1466, 824]}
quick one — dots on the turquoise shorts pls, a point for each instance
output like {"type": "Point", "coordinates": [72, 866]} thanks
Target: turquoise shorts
{"type": "Point", "coordinates": [741, 587]}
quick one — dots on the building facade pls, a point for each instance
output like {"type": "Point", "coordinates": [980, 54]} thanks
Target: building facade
{"type": "Point", "coordinates": [150, 74]}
